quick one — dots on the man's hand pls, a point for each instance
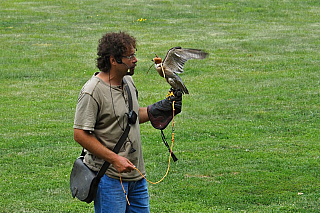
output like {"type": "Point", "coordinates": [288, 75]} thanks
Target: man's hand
{"type": "Point", "coordinates": [122, 164]}
{"type": "Point", "coordinates": [161, 112]}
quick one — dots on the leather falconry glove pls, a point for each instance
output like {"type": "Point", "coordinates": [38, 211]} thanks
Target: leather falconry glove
{"type": "Point", "coordinates": [161, 112]}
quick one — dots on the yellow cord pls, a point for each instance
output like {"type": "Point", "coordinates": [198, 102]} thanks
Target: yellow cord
{"type": "Point", "coordinates": [172, 140]}
{"type": "Point", "coordinates": [124, 189]}
{"type": "Point", "coordinates": [169, 155]}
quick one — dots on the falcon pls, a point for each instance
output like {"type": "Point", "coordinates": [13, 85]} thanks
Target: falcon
{"type": "Point", "coordinates": [173, 64]}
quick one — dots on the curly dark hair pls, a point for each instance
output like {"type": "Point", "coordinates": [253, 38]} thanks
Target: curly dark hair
{"type": "Point", "coordinates": [113, 44]}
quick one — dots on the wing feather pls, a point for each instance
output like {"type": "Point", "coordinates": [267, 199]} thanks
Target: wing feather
{"type": "Point", "coordinates": [176, 58]}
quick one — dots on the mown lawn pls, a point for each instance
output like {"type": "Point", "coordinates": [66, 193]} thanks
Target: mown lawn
{"type": "Point", "coordinates": [247, 138]}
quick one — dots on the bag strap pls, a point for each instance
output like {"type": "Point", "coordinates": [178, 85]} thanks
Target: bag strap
{"type": "Point", "coordinates": [116, 150]}
{"type": "Point", "coordinates": [129, 94]}
{"type": "Point", "coordinates": [121, 140]}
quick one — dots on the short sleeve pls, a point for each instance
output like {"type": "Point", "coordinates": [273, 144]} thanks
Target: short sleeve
{"type": "Point", "coordinates": [86, 112]}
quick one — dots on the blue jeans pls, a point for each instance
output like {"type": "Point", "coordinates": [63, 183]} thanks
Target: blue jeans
{"type": "Point", "coordinates": [111, 198]}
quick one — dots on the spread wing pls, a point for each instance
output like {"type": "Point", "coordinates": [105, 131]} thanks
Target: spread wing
{"type": "Point", "coordinates": [176, 57]}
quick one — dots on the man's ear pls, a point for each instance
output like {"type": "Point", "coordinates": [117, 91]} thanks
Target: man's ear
{"type": "Point", "coordinates": [113, 61]}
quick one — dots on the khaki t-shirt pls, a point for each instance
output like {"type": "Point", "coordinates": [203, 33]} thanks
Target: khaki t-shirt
{"type": "Point", "coordinates": [101, 109]}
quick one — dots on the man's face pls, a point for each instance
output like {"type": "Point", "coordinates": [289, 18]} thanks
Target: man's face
{"type": "Point", "coordinates": [129, 60]}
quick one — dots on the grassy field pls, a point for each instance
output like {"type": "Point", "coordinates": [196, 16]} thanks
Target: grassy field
{"type": "Point", "coordinates": [248, 135]}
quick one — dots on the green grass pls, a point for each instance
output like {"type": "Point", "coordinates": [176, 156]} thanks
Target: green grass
{"type": "Point", "coordinates": [248, 136]}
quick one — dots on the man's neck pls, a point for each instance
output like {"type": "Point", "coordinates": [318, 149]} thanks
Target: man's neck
{"type": "Point", "coordinates": [111, 79]}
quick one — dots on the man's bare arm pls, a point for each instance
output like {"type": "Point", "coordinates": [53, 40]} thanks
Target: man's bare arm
{"type": "Point", "coordinates": [90, 143]}
{"type": "Point", "coordinates": [143, 115]}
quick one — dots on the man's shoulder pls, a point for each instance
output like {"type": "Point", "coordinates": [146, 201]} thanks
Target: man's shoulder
{"type": "Point", "coordinates": [91, 85]}
{"type": "Point", "coordinates": [129, 80]}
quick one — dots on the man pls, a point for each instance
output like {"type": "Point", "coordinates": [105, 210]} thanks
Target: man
{"type": "Point", "coordinates": [101, 117]}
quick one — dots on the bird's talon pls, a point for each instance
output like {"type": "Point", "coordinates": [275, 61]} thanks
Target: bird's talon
{"type": "Point", "coordinates": [170, 94]}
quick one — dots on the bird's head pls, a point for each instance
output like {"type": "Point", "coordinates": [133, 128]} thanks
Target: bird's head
{"type": "Point", "coordinates": [157, 60]}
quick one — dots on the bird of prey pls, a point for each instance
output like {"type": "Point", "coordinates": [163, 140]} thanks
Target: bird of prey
{"type": "Point", "coordinates": [173, 64]}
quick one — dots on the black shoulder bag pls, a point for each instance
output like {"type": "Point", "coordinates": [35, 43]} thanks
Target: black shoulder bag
{"type": "Point", "coordinates": [83, 181]}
